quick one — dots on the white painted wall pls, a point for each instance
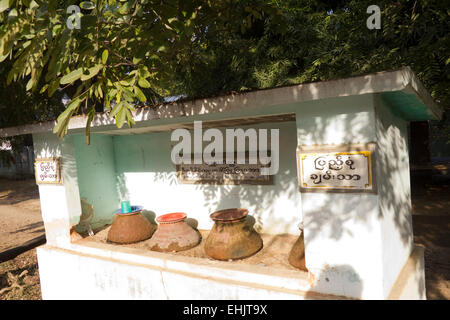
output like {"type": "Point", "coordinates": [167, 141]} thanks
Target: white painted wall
{"type": "Point", "coordinates": [342, 231]}
{"type": "Point", "coordinates": [147, 176]}
{"type": "Point", "coordinates": [91, 270]}
{"type": "Point", "coordinates": [60, 204]}
{"type": "Point", "coordinates": [96, 271]}
{"type": "Point", "coordinates": [356, 244]}
{"type": "Point", "coordinates": [353, 241]}
{"type": "Point", "coordinates": [394, 192]}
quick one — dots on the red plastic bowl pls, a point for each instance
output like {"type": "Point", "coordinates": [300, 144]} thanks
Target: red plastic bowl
{"type": "Point", "coordinates": [171, 217]}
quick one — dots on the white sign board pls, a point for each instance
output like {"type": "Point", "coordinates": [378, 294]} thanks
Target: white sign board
{"type": "Point", "coordinates": [338, 171]}
{"type": "Point", "coordinates": [47, 170]}
{"type": "Point", "coordinates": [222, 174]}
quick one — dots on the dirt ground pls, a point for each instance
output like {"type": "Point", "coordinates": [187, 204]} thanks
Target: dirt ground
{"type": "Point", "coordinates": [431, 227]}
{"type": "Point", "coordinates": [20, 220]}
{"type": "Point", "coordinates": [20, 212]}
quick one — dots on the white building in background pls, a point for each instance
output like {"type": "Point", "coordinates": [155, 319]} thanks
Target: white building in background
{"type": "Point", "coordinates": [16, 164]}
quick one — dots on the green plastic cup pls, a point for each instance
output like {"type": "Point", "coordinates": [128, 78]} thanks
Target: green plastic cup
{"type": "Point", "coordinates": [125, 206]}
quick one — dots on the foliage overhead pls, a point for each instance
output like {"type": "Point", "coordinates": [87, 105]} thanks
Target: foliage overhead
{"type": "Point", "coordinates": [132, 53]}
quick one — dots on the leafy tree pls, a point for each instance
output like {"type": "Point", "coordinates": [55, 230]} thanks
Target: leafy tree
{"type": "Point", "coordinates": [132, 53]}
{"type": "Point", "coordinates": [327, 40]}
{"type": "Point", "coordinates": [120, 55]}
{"type": "Point", "coordinates": [18, 106]}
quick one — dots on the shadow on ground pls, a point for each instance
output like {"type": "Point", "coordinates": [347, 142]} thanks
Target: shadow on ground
{"type": "Point", "coordinates": [14, 192]}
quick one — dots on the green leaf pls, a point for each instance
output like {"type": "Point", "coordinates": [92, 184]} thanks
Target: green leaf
{"type": "Point", "coordinates": [116, 109]}
{"type": "Point", "coordinates": [4, 4]}
{"type": "Point", "coordinates": [91, 72]}
{"type": "Point", "coordinates": [130, 119]}
{"type": "Point", "coordinates": [143, 72]}
{"type": "Point", "coordinates": [139, 94]}
{"type": "Point", "coordinates": [3, 58]}
{"type": "Point", "coordinates": [45, 87]}
{"type": "Point", "coordinates": [29, 84]}
{"type": "Point", "coordinates": [99, 91]}
{"type": "Point", "coordinates": [64, 118]}
{"type": "Point", "coordinates": [91, 116]}
{"type": "Point", "coordinates": [54, 85]}
{"type": "Point", "coordinates": [128, 81]}
{"type": "Point", "coordinates": [105, 56]}
{"type": "Point", "coordinates": [120, 118]}
{"type": "Point", "coordinates": [136, 60]}
{"type": "Point", "coordinates": [123, 9]}
{"type": "Point", "coordinates": [71, 77]}
{"type": "Point", "coordinates": [143, 83]}
{"type": "Point", "coordinates": [87, 5]}
{"type": "Point", "coordinates": [12, 14]}
{"type": "Point", "coordinates": [33, 4]}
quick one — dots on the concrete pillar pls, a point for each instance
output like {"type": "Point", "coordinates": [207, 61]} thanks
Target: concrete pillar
{"type": "Point", "coordinates": [357, 243]}
{"type": "Point", "coordinates": [60, 203]}
{"type": "Point", "coordinates": [394, 196]}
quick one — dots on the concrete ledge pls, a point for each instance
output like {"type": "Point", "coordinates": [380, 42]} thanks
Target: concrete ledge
{"type": "Point", "coordinates": [410, 283]}
{"type": "Point", "coordinates": [90, 270]}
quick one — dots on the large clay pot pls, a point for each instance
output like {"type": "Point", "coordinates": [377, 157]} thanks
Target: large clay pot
{"type": "Point", "coordinates": [297, 254]}
{"type": "Point", "coordinates": [130, 227]}
{"type": "Point", "coordinates": [231, 236]}
{"type": "Point", "coordinates": [174, 234]}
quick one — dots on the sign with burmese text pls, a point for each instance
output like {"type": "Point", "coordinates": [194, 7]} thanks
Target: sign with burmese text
{"type": "Point", "coordinates": [47, 170]}
{"type": "Point", "coordinates": [223, 173]}
{"type": "Point", "coordinates": [327, 169]}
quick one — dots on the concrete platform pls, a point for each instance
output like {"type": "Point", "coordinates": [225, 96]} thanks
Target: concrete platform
{"type": "Point", "coordinates": [90, 270]}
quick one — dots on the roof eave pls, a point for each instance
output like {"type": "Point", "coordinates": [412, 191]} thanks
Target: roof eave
{"type": "Point", "coordinates": [403, 80]}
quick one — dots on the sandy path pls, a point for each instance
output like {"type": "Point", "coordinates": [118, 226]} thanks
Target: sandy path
{"type": "Point", "coordinates": [20, 213]}
{"type": "Point", "coordinates": [18, 225]}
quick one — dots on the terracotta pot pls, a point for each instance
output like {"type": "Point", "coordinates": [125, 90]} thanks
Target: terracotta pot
{"type": "Point", "coordinates": [174, 234]}
{"type": "Point", "coordinates": [231, 236]}
{"type": "Point", "coordinates": [297, 254]}
{"type": "Point", "coordinates": [130, 227]}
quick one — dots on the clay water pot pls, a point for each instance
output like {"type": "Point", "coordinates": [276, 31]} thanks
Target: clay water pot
{"type": "Point", "coordinates": [231, 236]}
{"type": "Point", "coordinates": [130, 227]}
{"type": "Point", "coordinates": [174, 234]}
{"type": "Point", "coordinates": [297, 254]}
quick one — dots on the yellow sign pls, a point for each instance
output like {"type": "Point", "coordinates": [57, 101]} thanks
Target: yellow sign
{"type": "Point", "coordinates": [328, 169]}
{"type": "Point", "coordinates": [47, 170]}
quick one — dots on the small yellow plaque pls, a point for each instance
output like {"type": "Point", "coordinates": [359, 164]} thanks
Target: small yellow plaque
{"type": "Point", "coordinates": [347, 168]}
{"type": "Point", "coordinates": [48, 170]}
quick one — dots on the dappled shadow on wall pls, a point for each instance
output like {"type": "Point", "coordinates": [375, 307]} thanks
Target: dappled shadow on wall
{"type": "Point", "coordinates": [339, 280]}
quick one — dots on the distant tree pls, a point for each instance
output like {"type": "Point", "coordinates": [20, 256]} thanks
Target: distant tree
{"type": "Point", "coordinates": [18, 107]}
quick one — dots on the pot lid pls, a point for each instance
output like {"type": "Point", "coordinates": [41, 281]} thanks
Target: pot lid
{"type": "Point", "coordinates": [229, 214]}
{"type": "Point", "coordinates": [171, 217]}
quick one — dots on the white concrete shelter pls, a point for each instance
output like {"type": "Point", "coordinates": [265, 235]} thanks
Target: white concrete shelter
{"type": "Point", "coordinates": [357, 244]}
